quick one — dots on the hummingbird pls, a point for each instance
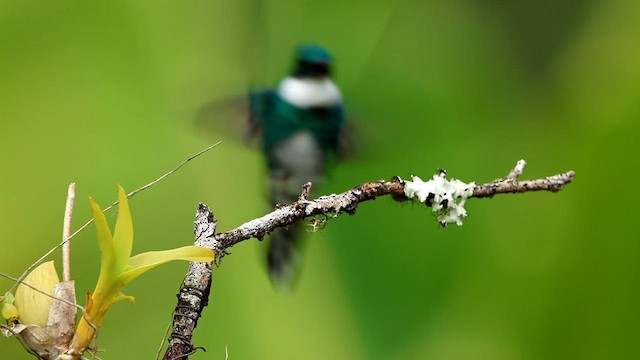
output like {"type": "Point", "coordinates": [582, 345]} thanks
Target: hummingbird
{"type": "Point", "coordinates": [300, 121]}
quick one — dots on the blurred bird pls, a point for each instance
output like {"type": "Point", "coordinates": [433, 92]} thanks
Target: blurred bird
{"type": "Point", "coordinates": [301, 122]}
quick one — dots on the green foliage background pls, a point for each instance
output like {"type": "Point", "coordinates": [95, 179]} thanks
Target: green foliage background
{"type": "Point", "coordinates": [100, 93]}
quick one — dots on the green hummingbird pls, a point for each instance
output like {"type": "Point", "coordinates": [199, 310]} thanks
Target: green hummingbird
{"type": "Point", "coordinates": [301, 122]}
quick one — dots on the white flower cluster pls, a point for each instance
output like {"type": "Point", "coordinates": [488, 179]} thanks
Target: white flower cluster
{"type": "Point", "coordinates": [445, 197]}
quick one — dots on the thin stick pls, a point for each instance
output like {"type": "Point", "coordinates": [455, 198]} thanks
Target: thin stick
{"type": "Point", "coordinates": [66, 231]}
{"type": "Point", "coordinates": [41, 259]}
{"type": "Point", "coordinates": [517, 170]}
{"type": "Point", "coordinates": [164, 338]}
{"type": "Point", "coordinates": [130, 195]}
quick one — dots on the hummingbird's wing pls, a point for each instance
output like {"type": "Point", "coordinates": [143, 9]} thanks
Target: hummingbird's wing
{"type": "Point", "coordinates": [347, 147]}
{"type": "Point", "coordinates": [240, 118]}
{"type": "Point", "coordinates": [229, 117]}
{"type": "Point", "coordinates": [261, 103]}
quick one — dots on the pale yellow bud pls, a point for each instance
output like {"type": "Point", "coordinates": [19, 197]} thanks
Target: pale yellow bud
{"type": "Point", "coordinates": [9, 312]}
{"type": "Point", "coordinates": [34, 306]}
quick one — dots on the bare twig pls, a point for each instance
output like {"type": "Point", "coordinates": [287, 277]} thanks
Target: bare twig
{"type": "Point", "coordinates": [551, 183]}
{"type": "Point", "coordinates": [66, 231]}
{"type": "Point", "coordinates": [306, 188]}
{"type": "Point", "coordinates": [329, 206]}
{"type": "Point", "coordinates": [517, 171]}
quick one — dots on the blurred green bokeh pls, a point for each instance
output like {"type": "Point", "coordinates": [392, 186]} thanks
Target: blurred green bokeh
{"type": "Point", "coordinates": [101, 93]}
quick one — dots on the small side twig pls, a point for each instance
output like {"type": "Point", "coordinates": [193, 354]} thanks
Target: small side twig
{"type": "Point", "coordinates": [306, 189]}
{"type": "Point", "coordinates": [517, 170]}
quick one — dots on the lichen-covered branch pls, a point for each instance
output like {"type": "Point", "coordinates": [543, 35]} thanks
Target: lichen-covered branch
{"type": "Point", "coordinates": [194, 291]}
{"type": "Point", "coordinates": [348, 201]}
{"type": "Point", "coordinates": [445, 197]}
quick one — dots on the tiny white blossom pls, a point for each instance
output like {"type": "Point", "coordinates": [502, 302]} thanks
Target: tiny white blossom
{"type": "Point", "coordinates": [445, 197]}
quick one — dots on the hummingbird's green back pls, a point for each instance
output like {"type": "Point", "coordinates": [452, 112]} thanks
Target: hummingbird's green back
{"type": "Point", "coordinates": [279, 120]}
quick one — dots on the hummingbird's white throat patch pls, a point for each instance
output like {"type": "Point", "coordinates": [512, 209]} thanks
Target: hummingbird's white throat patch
{"type": "Point", "coordinates": [309, 92]}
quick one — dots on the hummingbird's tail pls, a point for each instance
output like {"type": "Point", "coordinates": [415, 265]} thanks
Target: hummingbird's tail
{"type": "Point", "coordinates": [284, 255]}
{"type": "Point", "coordinates": [296, 161]}
{"type": "Point", "coordinates": [283, 258]}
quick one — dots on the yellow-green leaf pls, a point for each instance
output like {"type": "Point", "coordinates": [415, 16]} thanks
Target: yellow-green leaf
{"type": "Point", "coordinates": [122, 296]}
{"type": "Point", "coordinates": [140, 263]}
{"type": "Point", "coordinates": [123, 234]}
{"type": "Point", "coordinates": [108, 265]}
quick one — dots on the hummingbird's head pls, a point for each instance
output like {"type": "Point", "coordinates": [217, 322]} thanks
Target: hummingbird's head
{"type": "Point", "coordinates": [312, 61]}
